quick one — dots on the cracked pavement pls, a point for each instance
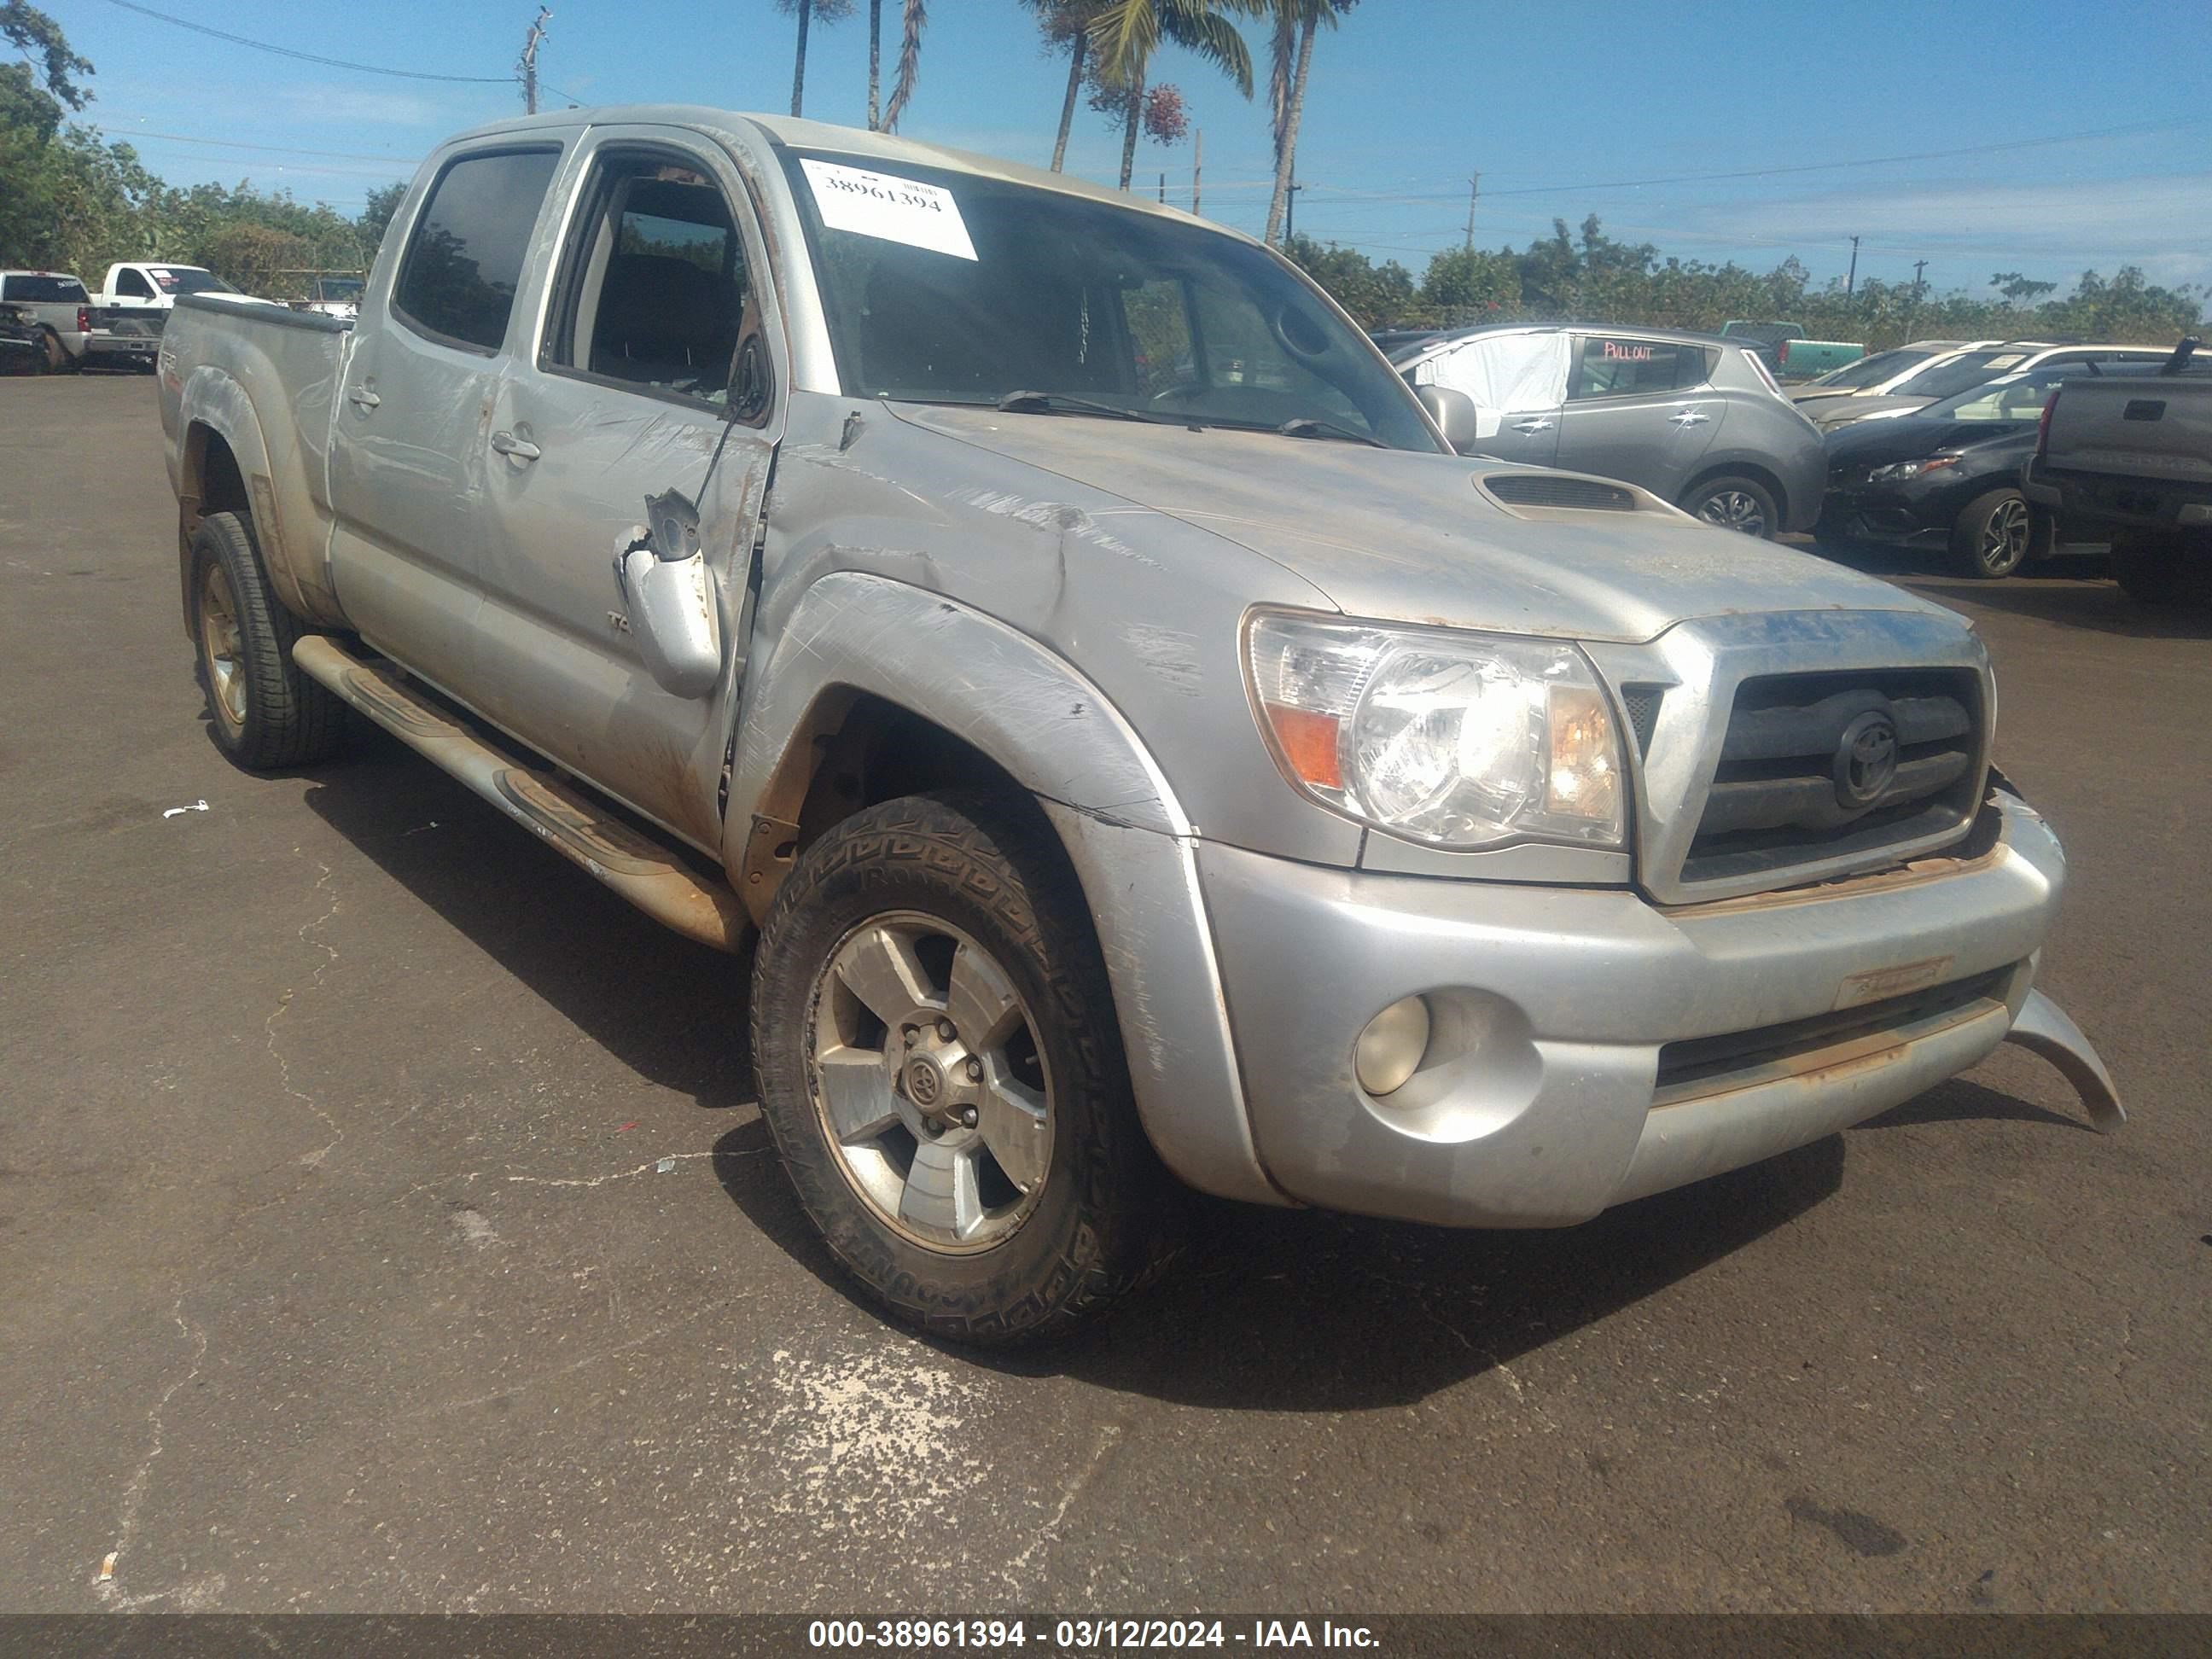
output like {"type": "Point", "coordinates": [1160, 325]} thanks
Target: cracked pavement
{"type": "Point", "coordinates": [387, 1227]}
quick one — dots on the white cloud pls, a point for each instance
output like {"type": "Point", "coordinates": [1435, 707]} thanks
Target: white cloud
{"type": "Point", "coordinates": [2156, 221]}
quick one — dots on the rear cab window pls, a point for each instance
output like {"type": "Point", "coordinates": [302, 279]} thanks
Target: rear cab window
{"type": "Point", "coordinates": [43, 290]}
{"type": "Point", "coordinates": [465, 258]}
{"type": "Point", "coordinates": [1622, 366]}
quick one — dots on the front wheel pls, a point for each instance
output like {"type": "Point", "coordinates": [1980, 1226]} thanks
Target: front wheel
{"type": "Point", "coordinates": [1998, 532]}
{"type": "Point", "coordinates": [1733, 502]}
{"type": "Point", "coordinates": [939, 1064]}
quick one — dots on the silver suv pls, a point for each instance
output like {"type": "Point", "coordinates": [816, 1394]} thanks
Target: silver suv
{"type": "Point", "coordinates": [1693, 418]}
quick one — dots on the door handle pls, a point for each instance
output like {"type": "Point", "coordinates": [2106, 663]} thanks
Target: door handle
{"type": "Point", "coordinates": [1541, 424]}
{"type": "Point", "coordinates": [362, 397]}
{"type": "Point", "coordinates": [505, 443]}
{"type": "Point", "coordinates": [1692, 416]}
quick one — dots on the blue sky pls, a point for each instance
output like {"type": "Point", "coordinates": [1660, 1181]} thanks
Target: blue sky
{"type": "Point", "coordinates": [1555, 104]}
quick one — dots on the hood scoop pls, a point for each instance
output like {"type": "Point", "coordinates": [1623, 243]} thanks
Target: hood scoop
{"type": "Point", "coordinates": [1557, 489]}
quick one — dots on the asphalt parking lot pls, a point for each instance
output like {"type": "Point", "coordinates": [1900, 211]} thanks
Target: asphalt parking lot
{"type": "Point", "coordinates": [386, 1226]}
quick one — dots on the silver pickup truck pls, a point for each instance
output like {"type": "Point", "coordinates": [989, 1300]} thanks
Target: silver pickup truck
{"type": "Point", "coordinates": [2131, 458]}
{"type": "Point", "coordinates": [1136, 750]}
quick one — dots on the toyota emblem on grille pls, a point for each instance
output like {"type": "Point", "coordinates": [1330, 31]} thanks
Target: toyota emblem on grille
{"type": "Point", "coordinates": [1866, 760]}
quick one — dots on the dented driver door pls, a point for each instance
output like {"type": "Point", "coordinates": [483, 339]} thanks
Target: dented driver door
{"type": "Point", "coordinates": [653, 379]}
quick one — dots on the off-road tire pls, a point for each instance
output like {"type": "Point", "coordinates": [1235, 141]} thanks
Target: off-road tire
{"type": "Point", "coordinates": [2000, 534]}
{"type": "Point", "coordinates": [288, 719]}
{"type": "Point", "coordinates": [1110, 1217]}
{"type": "Point", "coordinates": [1714, 495]}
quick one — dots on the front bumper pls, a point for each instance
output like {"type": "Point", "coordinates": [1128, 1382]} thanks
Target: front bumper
{"type": "Point", "coordinates": [1542, 1100]}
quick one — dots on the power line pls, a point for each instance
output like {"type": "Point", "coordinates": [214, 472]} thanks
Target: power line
{"type": "Point", "coordinates": [130, 135]}
{"type": "Point", "coordinates": [309, 57]}
{"type": "Point", "coordinates": [2136, 130]}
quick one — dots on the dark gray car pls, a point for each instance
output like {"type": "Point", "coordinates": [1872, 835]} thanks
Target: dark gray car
{"type": "Point", "coordinates": [1694, 418]}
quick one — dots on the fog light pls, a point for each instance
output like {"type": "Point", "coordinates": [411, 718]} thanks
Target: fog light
{"type": "Point", "coordinates": [1390, 1050]}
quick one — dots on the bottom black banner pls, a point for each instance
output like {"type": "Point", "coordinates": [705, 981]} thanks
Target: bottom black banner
{"type": "Point", "coordinates": [496, 1636]}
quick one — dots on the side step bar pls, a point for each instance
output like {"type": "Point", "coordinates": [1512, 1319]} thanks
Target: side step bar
{"type": "Point", "coordinates": [658, 880]}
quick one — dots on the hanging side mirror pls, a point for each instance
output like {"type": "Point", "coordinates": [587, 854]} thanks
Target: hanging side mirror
{"type": "Point", "coordinates": [670, 595]}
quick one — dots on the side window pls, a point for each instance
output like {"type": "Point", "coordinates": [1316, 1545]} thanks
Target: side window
{"type": "Point", "coordinates": [465, 261]}
{"type": "Point", "coordinates": [653, 287]}
{"type": "Point", "coordinates": [1616, 365]}
{"type": "Point", "coordinates": [131, 285]}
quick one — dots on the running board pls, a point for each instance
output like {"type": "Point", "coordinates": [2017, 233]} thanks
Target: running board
{"type": "Point", "coordinates": [656, 879]}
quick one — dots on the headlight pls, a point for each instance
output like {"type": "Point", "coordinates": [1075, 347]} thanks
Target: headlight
{"type": "Point", "coordinates": [1455, 738]}
{"type": "Point", "coordinates": [1900, 470]}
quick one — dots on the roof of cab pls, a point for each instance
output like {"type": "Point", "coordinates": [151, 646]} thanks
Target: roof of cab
{"type": "Point", "coordinates": [877, 147]}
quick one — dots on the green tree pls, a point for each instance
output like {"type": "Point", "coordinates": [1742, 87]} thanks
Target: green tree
{"type": "Point", "coordinates": [1126, 32]}
{"type": "Point", "coordinates": [1374, 295]}
{"type": "Point", "coordinates": [1468, 284]}
{"type": "Point", "coordinates": [50, 68]}
{"type": "Point", "coordinates": [376, 218]}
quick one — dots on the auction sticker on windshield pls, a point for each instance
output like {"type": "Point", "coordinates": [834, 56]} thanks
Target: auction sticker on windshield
{"type": "Point", "coordinates": [895, 209]}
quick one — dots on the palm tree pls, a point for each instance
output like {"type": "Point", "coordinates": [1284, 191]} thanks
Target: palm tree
{"type": "Point", "coordinates": [806, 11]}
{"type": "Point", "coordinates": [1066, 23]}
{"type": "Point", "coordinates": [1295, 23]}
{"type": "Point", "coordinates": [913, 17]}
{"type": "Point", "coordinates": [1126, 32]}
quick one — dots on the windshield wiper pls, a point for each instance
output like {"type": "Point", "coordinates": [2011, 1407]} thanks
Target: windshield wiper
{"type": "Point", "coordinates": [1304, 427]}
{"type": "Point", "coordinates": [1058, 403]}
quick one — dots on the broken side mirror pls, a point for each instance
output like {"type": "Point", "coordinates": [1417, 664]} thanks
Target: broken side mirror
{"type": "Point", "coordinates": [749, 383]}
{"type": "Point", "coordinates": [669, 594]}
{"type": "Point", "coordinates": [1454, 413]}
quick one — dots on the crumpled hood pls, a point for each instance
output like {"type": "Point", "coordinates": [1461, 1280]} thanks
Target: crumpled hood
{"type": "Point", "coordinates": [1404, 537]}
{"type": "Point", "coordinates": [1839, 411]}
{"type": "Point", "coordinates": [1878, 443]}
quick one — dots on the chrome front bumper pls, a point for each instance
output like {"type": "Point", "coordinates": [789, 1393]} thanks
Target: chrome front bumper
{"type": "Point", "coordinates": [1541, 1103]}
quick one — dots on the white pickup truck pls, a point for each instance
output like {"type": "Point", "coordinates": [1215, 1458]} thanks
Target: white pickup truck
{"type": "Point", "coordinates": [142, 286]}
{"type": "Point", "coordinates": [1126, 769]}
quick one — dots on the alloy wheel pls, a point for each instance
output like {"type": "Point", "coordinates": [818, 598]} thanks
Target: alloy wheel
{"type": "Point", "coordinates": [2005, 535]}
{"type": "Point", "coordinates": [930, 1084]}
{"type": "Point", "coordinates": [222, 645]}
{"type": "Point", "coordinates": [1734, 510]}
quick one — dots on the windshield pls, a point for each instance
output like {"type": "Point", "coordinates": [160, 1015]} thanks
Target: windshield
{"type": "Point", "coordinates": [1960, 374]}
{"type": "Point", "coordinates": [343, 289]}
{"type": "Point", "coordinates": [2014, 398]}
{"type": "Point", "coordinates": [1871, 371]}
{"type": "Point", "coordinates": [942, 287]}
{"type": "Point", "coordinates": [185, 279]}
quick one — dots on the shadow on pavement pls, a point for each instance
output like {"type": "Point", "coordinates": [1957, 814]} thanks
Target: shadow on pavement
{"type": "Point", "coordinates": [672, 1011]}
{"type": "Point", "coordinates": [2071, 587]}
{"type": "Point", "coordinates": [1961, 1102]}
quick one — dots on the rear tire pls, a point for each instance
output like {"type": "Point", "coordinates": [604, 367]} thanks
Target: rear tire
{"type": "Point", "coordinates": [56, 354]}
{"type": "Point", "coordinates": [1998, 532]}
{"type": "Point", "coordinates": [2157, 570]}
{"type": "Point", "coordinates": [1733, 501]}
{"type": "Point", "coordinates": [264, 714]}
{"type": "Point", "coordinates": [919, 902]}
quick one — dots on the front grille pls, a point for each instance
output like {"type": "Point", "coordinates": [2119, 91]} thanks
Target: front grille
{"type": "Point", "coordinates": [1698, 1066]}
{"type": "Point", "coordinates": [1551, 489]}
{"type": "Point", "coordinates": [1817, 766]}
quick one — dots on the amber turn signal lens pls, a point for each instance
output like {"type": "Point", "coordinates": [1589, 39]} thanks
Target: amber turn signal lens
{"type": "Point", "coordinates": [1308, 741]}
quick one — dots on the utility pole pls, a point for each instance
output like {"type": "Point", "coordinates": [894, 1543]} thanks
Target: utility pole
{"type": "Point", "coordinates": [1918, 287]}
{"type": "Point", "coordinates": [1852, 282]}
{"type": "Point", "coordinates": [1291, 210]}
{"type": "Point", "coordinates": [1163, 188]}
{"type": "Point", "coordinates": [1197, 165]}
{"type": "Point", "coordinates": [527, 66]}
{"type": "Point", "coordinates": [1474, 194]}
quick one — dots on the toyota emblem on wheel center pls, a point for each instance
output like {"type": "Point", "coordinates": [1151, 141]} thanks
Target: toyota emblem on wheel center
{"type": "Point", "coordinates": [1866, 759]}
